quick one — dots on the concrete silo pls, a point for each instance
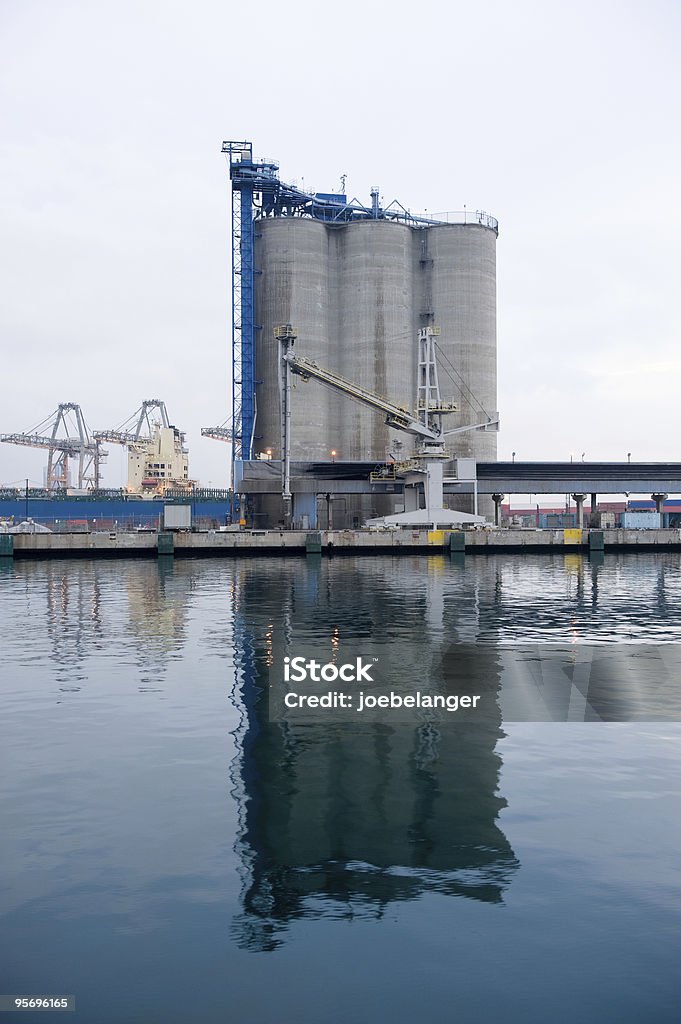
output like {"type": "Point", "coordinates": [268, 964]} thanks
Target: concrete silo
{"type": "Point", "coordinates": [375, 336]}
{"type": "Point", "coordinates": [357, 295]}
{"type": "Point", "coordinates": [458, 282]}
{"type": "Point", "coordinates": [294, 285]}
{"type": "Point", "coordinates": [357, 283]}
{"type": "Point", "coordinates": [348, 289]}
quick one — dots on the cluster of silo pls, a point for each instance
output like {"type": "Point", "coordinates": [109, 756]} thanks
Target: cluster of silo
{"type": "Point", "coordinates": [357, 294]}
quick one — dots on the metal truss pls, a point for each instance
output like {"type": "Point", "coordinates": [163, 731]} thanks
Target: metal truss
{"type": "Point", "coordinates": [76, 444]}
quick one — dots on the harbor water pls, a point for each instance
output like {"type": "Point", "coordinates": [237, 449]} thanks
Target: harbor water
{"type": "Point", "coordinates": [175, 847]}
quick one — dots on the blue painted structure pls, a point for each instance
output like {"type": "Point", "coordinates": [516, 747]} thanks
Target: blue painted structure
{"type": "Point", "coordinates": [108, 510]}
{"type": "Point", "coordinates": [247, 325]}
{"type": "Point", "coordinates": [670, 504]}
{"type": "Point", "coordinates": [250, 181]}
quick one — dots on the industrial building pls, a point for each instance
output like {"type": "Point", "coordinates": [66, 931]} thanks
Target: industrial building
{"type": "Point", "coordinates": [357, 282]}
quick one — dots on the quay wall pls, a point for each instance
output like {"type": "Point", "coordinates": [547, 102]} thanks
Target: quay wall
{"type": "Point", "coordinates": [151, 544]}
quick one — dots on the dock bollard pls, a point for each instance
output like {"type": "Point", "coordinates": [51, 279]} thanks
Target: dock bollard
{"type": "Point", "coordinates": [165, 544]}
{"type": "Point", "coordinates": [457, 542]}
{"type": "Point", "coordinates": [596, 540]}
{"type": "Point", "coordinates": [6, 545]}
{"type": "Point", "coordinates": [313, 544]}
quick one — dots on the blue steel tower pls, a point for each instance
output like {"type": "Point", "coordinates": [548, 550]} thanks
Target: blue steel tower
{"type": "Point", "coordinates": [258, 192]}
{"type": "Point", "coordinates": [247, 180]}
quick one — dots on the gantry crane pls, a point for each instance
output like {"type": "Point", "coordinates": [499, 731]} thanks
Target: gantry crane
{"type": "Point", "coordinates": [77, 444]}
{"type": "Point", "coordinates": [140, 419]}
{"type": "Point", "coordinates": [426, 423]}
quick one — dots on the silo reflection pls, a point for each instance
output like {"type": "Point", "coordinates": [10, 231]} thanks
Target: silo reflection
{"type": "Point", "coordinates": [342, 818]}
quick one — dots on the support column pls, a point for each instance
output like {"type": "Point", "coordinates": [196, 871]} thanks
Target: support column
{"type": "Point", "coordinates": [497, 499]}
{"type": "Point", "coordinates": [659, 500]}
{"type": "Point", "coordinates": [579, 501]}
{"type": "Point", "coordinates": [594, 504]}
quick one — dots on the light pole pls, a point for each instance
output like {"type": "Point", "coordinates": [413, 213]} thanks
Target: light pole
{"type": "Point", "coordinates": [333, 454]}
{"type": "Point", "coordinates": [512, 456]}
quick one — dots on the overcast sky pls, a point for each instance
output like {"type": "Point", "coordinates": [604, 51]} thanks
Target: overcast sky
{"type": "Point", "coordinates": [561, 119]}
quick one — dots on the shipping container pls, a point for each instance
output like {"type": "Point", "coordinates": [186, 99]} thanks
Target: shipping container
{"type": "Point", "coordinates": [603, 521]}
{"type": "Point", "coordinates": [177, 517]}
{"type": "Point", "coordinates": [640, 520]}
{"type": "Point", "coordinates": [557, 520]}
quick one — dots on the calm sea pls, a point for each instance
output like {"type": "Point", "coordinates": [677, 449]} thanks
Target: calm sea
{"type": "Point", "coordinates": [171, 850]}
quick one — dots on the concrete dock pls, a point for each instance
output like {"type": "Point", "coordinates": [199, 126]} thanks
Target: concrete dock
{"type": "Point", "coordinates": [336, 542]}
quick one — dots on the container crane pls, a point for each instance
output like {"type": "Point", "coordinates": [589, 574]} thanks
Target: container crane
{"type": "Point", "coordinates": [157, 458]}
{"type": "Point", "coordinates": [425, 424]}
{"type": "Point", "coordinates": [140, 419]}
{"type": "Point", "coordinates": [77, 444]}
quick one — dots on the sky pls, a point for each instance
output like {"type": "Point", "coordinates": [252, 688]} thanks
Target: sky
{"type": "Point", "coordinates": [560, 119]}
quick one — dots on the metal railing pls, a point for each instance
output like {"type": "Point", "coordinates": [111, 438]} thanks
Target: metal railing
{"type": "Point", "coordinates": [128, 524]}
{"type": "Point", "coordinates": [465, 217]}
{"type": "Point", "coordinates": [198, 494]}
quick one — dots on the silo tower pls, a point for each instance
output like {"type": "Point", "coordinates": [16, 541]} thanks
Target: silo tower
{"type": "Point", "coordinates": [358, 282]}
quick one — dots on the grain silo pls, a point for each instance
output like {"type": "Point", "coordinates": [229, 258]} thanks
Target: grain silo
{"type": "Point", "coordinates": [357, 282]}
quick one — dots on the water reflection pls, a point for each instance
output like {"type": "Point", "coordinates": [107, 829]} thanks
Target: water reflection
{"type": "Point", "coordinates": [623, 596]}
{"type": "Point", "coordinates": [342, 819]}
{"type": "Point", "coordinates": [119, 829]}
{"type": "Point", "coordinates": [73, 620]}
{"type": "Point", "coordinates": [345, 818]}
{"type": "Point", "coordinates": [75, 613]}
{"type": "Point", "coordinates": [158, 603]}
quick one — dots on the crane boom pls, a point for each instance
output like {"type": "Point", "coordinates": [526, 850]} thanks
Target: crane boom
{"type": "Point", "coordinates": [395, 415]}
{"type": "Point", "coordinates": [218, 433]}
{"type": "Point", "coordinates": [426, 424]}
{"type": "Point", "coordinates": [72, 447]}
{"type": "Point", "coordinates": [115, 436]}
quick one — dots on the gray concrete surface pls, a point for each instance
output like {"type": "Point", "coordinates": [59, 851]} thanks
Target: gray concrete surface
{"type": "Point", "coordinates": [340, 541]}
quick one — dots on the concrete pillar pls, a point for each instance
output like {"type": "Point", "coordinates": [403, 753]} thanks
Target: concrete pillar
{"type": "Point", "coordinates": [594, 504]}
{"type": "Point", "coordinates": [497, 499]}
{"type": "Point", "coordinates": [313, 543]}
{"type": "Point", "coordinates": [165, 544]}
{"type": "Point", "coordinates": [659, 500]}
{"type": "Point", "coordinates": [457, 542]}
{"type": "Point", "coordinates": [596, 540]}
{"type": "Point", "coordinates": [579, 501]}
